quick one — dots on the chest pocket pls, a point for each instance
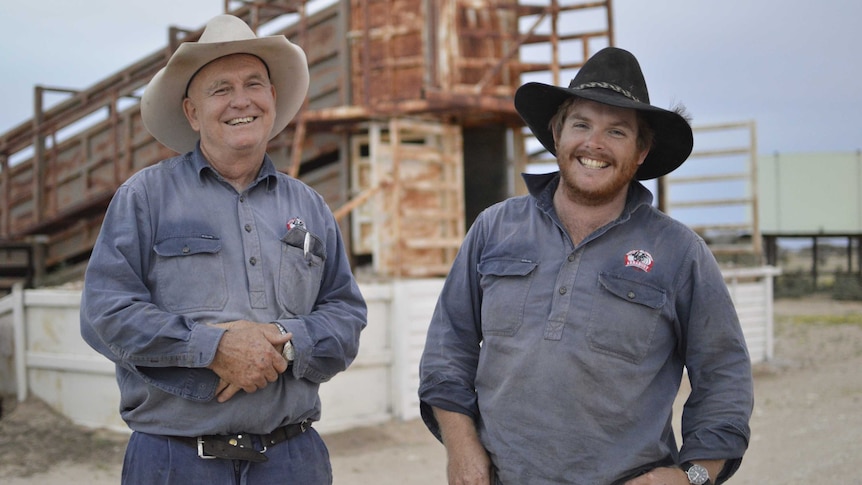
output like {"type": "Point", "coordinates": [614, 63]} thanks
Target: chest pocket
{"type": "Point", "coordinates": [300, 272]}
{"type": "Point", "coordinates": [624, 317]}
{"type": "Point", "coordinates": [190, 274]}
{"type": "Point", "coordinates": [505, 284]}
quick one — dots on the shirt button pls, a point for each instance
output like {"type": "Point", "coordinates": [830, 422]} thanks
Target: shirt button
{"type": "Point", "coordinates": [186, 250]}
{"type": "Point", "coordinates": [252, 261]}
{"type": "Point", "coordinates": [571, 257]}
{"type": "Point", "coordinates": [248, 228]}
{"type": "Point", "coordinates": [631, 295]}
{"type": "Point", "coordinates": [242, 198]}
{"type": "Point", "coordinates": [563, 290]}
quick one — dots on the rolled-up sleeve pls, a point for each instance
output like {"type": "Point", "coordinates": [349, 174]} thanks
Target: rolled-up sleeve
{"type": "Point", "coordinates": [451, 355]}
{"type": "Point", "coordinates": [119, 318]}
{"type": "Point", "coordinates": [717, 412]}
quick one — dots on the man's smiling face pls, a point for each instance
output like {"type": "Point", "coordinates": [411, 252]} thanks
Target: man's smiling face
{"type": "Point", "coordinates": [598, 152]}
{"type": "Point", "coordinates": [231, 103]}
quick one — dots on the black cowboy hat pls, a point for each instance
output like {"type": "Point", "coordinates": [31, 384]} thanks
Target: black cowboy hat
{"type": "Point", "coordinates": [612, 76]}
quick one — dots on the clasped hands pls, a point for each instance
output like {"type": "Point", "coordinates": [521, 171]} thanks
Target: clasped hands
{"type": "Point", "coordinates": [248, 357]}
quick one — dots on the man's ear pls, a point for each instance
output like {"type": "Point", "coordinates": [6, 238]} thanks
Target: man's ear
{"type": "Point", "coordinates": [191, 113]}
{"type": "Point", "coordinates": [643, 156]}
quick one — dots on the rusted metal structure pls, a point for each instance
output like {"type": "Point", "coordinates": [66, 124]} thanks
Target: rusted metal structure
{"type": "Point", "coordinates": [408, 129]}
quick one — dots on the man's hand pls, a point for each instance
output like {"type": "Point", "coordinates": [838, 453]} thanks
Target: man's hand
{"type": "Point", "coordinates": [661, 476]}
{"type": "Point", "coordinates": [247, 357]}
{"type": "Point", "coordinates": [468, 462]}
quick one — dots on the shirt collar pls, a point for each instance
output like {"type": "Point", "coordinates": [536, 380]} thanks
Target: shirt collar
{"type": "Point", "coordinates": [542, 187]}
{"type": "Point", "coordinates": [267, 170]}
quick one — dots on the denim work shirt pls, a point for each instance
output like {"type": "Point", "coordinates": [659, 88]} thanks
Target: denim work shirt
{"type": "Point", "coordinates": [569, 358]}
{"type": "Point", "coordinates": [179, 249]}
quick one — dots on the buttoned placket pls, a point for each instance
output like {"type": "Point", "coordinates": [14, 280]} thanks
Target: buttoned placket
{"type": "Point", "coordinates": [563, 295]}
{"type": "Point", "coordinates": [565, 282]}
{"type": "Point", "coordinates": [252, 252]}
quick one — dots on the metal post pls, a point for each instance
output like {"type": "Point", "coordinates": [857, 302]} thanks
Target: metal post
{"type": "Point", "coordinates": [769, 313]}
{"type": "Point", "coordinates": [859, 256]}
{"type": "Point", "coordinates": [661, 189]}
{"type": "Point", "coordinates": [20, 336]}
{"type": "Point", "coordinates": [814, 263]}
{"type": "Point", "coordinates": [6, 193]}
{"type": "Point", "coordinates": [38, 155]}
{"type": "Point", "coordinates": [771, 248]}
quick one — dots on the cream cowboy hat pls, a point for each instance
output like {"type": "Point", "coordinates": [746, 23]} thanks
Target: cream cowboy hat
{"type": "Point", "coordinates": [162, 103]}
{"type": "Point", "coordinates": [612, 76]}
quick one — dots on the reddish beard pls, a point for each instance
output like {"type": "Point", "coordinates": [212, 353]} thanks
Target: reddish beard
{"type": "Point", "coordinates": [595, 195]}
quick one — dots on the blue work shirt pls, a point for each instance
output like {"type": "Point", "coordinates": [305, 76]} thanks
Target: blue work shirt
{"type": "Point", "coordinates": [569, 358]}
{"type": "Point", "coordinates": [179, 249]}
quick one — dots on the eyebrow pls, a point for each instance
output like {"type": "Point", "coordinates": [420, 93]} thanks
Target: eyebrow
{"type": "Point", "coordinates": [219, 83]}
{"type": "Point", "coordinates": [621, 123]}
{"type": "Point", "coordinates": [215, 85]}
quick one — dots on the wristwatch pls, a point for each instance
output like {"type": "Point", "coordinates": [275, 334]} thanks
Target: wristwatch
{"type": "Point", "coordinates": [287, 352]}
{"type": "Point", "coordinates": [697, 475]}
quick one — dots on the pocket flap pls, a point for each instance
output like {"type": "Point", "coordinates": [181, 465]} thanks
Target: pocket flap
{"type": "Point", "coordinates": [186, 246]}
{"type": "Point", "coordinates": [506, 267]}
{"type": "Point", "coordinates": [633, 291]}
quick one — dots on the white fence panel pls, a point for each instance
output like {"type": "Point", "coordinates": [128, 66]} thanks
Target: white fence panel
{"type": "Point", "coordinates": [751, 291]}
{"type": "Point", "coordinates": [412, 307]}
{"type": "Point", "coordinates": [360, 396]}
{"type": "Point", "coordinates": [48, 358]}
{"type": "Point", "coordinates": [44, 355]}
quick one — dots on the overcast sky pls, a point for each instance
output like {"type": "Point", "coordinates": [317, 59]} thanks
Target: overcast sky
{"type": "Point", "coordinates": [791, 66]}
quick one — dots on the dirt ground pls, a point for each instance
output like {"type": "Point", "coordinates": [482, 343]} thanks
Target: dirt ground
{"type": "Point", "coordinates": [805, 427]}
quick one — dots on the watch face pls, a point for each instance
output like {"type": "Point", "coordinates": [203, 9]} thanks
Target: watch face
{"type": "Point", "coordinates": [697, 475]}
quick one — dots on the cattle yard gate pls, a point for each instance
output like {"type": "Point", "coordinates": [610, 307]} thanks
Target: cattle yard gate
{"type": "Point", "coordinates": [408, 129]}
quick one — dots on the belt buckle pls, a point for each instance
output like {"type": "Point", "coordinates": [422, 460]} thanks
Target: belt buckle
{"type": "Point", "coordinates": [201, 453]}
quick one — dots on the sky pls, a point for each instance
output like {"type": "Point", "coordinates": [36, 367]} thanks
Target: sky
{"type": "Point", "coordinates": [791, 66]}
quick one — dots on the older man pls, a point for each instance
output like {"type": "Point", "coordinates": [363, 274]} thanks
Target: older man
{"type": "Point", "coordinates": [219, 286]}
{"type": "Point", "coordinates": [558, 343]}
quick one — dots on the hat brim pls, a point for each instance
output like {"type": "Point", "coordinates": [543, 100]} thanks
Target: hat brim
{"type": "Point", "coordinates": [162, 102]}
{"type": "Point", "coordinates": [672, 141]}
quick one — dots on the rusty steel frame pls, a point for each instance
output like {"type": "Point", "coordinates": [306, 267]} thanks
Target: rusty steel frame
{"type": "Point", "coordinates": [49, 218]}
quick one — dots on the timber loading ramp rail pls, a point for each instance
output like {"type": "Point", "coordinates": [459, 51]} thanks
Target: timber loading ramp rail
{"type": "Point", "coordinates": [455, 63]}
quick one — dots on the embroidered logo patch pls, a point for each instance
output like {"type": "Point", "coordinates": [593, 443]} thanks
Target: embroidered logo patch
{"type": "Point", "coordinates": [295, 222]}
{"type": "Point", "coordinates": [639, 259]}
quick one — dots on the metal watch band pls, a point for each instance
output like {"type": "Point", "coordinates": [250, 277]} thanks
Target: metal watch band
{"type": "Point", "coordinates": [287, 352]}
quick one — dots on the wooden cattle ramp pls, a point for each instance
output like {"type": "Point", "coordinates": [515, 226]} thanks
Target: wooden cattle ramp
{"type": "Point", "coordinates": [409, 111]}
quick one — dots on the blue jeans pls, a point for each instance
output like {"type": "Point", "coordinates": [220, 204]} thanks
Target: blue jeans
{"type": "Point", "coordinates": [160, 460]}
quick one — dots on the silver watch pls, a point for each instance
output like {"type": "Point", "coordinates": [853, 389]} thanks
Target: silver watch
{"type": "Point", "coordinates": [697, 475]}
{"type": "Point", "coordinates": [287, 352]}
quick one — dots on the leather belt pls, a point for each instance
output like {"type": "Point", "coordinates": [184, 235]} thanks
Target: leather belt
{"type": "Point", "coordinates": [241, 446]}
